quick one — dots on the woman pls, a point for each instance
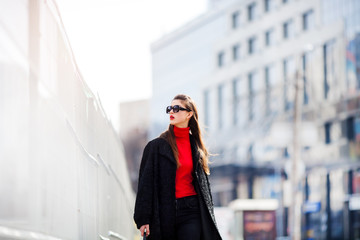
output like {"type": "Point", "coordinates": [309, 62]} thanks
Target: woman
{"type": "Point", "coordinates": [174, 199]}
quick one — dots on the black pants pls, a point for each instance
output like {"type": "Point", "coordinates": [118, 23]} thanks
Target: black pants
{"type": "Point", "coordinates": [188, 222]}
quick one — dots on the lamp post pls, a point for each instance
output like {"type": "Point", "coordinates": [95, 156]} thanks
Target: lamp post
{"type": "Point", "coordinates": [281, 136]}
{"type": "Point", "coordinates": [295, 206]}
{"type": "Point", "coordinates": [296, 191]}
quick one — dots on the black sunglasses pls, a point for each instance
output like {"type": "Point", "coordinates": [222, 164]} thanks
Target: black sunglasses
{"type": "Point", "coordinates": [176, 108]}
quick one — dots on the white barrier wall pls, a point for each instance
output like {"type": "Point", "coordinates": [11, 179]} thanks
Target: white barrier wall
{"type": "Point", "coordinates": [63, 173]}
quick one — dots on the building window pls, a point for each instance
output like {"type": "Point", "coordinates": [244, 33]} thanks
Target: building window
{"type": "Point", "coordinates": [235, 19]}
{"type": "Point", "coordinates": [271, 101]}
{"type": "Point", "coordinates": [236, 52]}
{"type": "Point", "coordinates": [251, 97]}
{"type": "Point", "coordinates": [251, 11]}
{"type": "Point", "coordinates": [327, 133]}
{"type": "Point", "coordinates": [269, 37]}
{"type": "Point", "coordinates": [285, 1]}
{"type": "Point", "coordinates": [271, 85]}
{"type": "Point", "coordinates": [236, 98]}
{"type": "Point", "coordinates": [268, 5]}
{"type": "Point", "coordinates": [220, 105]}
{"type": "Point", "coordinates": [308, 20]}
{"type": "Point", "coordinates": [220, 59]}
{"type": "Point", "coordinates": [288, 75]}
{"type": "Point", "coordinates": [206, 107]}
{"type": "Point", "coordinates": [348, 128]}
{"type": "Point", "coordinates": [329, 68]}
{"type": "Point", "coordinates": [305, 59]}
{"type": "Point", "coordinates": [337, 193]}
{"type": "Point", "coordinates": [267, 91]}
{"type": "Point", "coordinates": [288, 29]}
{"type": "Point", "coordinates": [254, 105]}
{"type": "Point", "coordinates": [252, 45]}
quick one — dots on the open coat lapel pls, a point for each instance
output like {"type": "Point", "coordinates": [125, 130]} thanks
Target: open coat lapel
{"type": "Point", "coordinates": [166, 151]}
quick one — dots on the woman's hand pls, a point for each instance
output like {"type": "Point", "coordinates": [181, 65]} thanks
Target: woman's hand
{"type": "Point", "coordinates": [142, 229]}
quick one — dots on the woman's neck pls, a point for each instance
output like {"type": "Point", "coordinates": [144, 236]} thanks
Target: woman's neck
{"type": "Point", "coordinates": [181, 132]}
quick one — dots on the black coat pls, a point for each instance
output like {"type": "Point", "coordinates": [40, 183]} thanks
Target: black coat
{"type": "Point", "coordinates": [155, 200]}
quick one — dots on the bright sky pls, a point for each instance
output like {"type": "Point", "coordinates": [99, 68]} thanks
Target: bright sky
{"type": "Point", "coordinates": [111, 42]}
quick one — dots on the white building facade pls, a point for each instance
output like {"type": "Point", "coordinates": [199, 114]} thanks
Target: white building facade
{"type": "Point", "coordinates": [246, 90]}
{"type": "Point", "coordinates": [181, 61]}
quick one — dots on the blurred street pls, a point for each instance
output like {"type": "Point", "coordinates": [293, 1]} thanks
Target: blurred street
{"type": "Point", "coordinates": [277, 86]}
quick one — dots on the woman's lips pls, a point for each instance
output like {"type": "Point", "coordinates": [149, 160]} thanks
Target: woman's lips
{"type": "Point", "coordinates": [171, 117]}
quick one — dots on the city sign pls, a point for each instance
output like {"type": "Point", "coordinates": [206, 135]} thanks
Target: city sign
{"type": "Point", "coordinates": [354, 202]}
{"type": "Point", "coordinates": [312, 207]}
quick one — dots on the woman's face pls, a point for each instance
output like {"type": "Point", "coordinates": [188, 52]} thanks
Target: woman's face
{"type": "Point", "coordinates": [181, 118]}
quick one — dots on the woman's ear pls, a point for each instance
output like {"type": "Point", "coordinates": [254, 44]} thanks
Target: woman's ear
{"type": "Point", "coordinates": [190, 115]}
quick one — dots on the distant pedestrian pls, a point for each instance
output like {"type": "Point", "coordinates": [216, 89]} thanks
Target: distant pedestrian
{"type": "Point", "coordinates": [174, 200]}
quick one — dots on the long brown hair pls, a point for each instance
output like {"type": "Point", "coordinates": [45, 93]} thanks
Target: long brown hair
{"type": "Point", "coordinates": [195, 132]}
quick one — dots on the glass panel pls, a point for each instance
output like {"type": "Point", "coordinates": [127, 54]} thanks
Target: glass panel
{"type": "Point", "coordinates": [220, 105]}
{"type": "Point", "coordinates": [235, 20]}
{"type": "Point", "coordinates": [236, 99]}
{"type": "Point", "coordinates": [236, 52]}
{"type": "Point", "coordinates": [252, 11]}
{"type": "Point", "coordinates": [289, 74]}
{"type": "Point", "coordinates": [308, 20]}
{"type": "Point", "coordinates": [269, 37]}
{"type": "Point", "coordinates": [337, 197]}
{"type": "Point", "coordinates": [220, 60]}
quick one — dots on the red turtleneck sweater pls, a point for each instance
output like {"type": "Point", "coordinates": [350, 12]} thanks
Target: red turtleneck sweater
{"type": "Point", "coordinates": [184, 178]}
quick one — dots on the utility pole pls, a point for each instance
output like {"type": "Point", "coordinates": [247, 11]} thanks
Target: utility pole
{"type": "Point", "coordinates": [295, 208]}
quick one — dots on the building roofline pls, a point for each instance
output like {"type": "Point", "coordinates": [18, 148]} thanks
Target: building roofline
{"type": "Point", "coordinates": [188, 27]}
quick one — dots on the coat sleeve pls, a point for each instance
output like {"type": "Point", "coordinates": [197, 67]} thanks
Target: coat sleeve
{"type": "Point", "coordinates": [144, 197]}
